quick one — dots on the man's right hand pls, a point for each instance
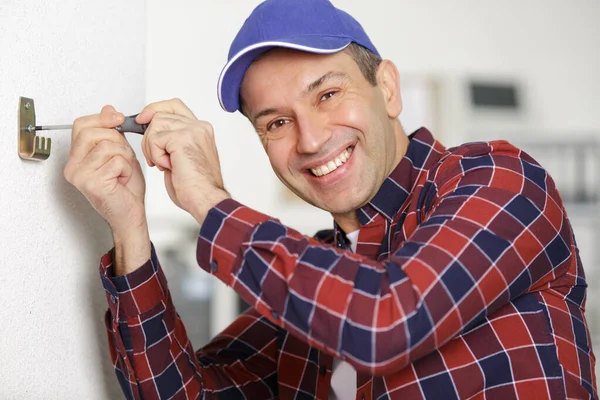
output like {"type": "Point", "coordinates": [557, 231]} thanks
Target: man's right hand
{"type": "Point", "coordinates": [103, 167]}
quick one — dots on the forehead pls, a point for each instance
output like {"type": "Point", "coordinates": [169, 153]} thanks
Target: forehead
{"type": "Point", "coordinates": [291, 70]}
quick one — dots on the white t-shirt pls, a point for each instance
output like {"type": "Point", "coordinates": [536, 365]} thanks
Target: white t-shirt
{"type": "Point", "coordinates": [353, 238]}
{"type": "Point", "coordinates": [343, 378]}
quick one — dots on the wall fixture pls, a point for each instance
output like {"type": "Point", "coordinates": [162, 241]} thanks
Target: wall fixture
{"type": "Point", "coordinates": [31, 147]}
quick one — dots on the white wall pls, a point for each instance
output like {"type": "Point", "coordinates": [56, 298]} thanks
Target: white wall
{"type": "Point", "coordinates": [71, 57]}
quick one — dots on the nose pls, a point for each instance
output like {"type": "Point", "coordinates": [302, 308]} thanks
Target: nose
{"type": "Point", "coordinates": [312, 133]}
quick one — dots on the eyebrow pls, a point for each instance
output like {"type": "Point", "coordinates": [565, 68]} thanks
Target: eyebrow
{"type": "Point", "coordinates": [327, 77]}
{"type": "Point", "coordinates": [309, 88]}
{"type": "Point", "coordinates": [265, 112]}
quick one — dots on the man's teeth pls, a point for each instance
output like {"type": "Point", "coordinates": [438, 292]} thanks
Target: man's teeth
{"type": "Point", "coordinates": [333, 164]}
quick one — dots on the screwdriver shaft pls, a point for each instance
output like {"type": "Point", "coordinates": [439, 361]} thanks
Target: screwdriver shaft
{"type": "Point", "coordinates": [53, 127]}
{"type": "Point", "coordinates": [129, 125]}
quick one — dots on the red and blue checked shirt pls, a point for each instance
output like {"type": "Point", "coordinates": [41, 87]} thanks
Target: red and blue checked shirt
{"type": "Point", "coordinates": [466, 284]}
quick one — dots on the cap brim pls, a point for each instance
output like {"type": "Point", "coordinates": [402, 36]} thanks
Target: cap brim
{"type": "Point", "coordinates": [228, 88]}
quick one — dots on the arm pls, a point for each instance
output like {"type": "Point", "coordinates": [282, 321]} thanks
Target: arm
{"type": "Point", "coordinates": [149, 347]}
{"type": "Point", "coordinates": [153, 357]}
{"type": "Point", "coordinates": [482, 243]}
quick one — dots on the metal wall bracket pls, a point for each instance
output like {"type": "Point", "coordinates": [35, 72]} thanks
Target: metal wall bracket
{"type": "Point", "coordinates": [31, 147]}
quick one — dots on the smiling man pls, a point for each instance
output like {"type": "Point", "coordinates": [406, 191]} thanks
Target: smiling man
{"type": "Point", "coordinates": [448, 274]}
{"type": "Point", "coordinates": [350, 137]}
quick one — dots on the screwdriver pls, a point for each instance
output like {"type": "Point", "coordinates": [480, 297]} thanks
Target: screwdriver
{"type": "Point", "coordinates": [128, 125]}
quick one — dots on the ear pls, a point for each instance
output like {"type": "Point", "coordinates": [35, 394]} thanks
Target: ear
{"type": "Point", "coordinates": [388, 80]}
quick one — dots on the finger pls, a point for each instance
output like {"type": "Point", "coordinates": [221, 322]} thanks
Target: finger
{"type": "Point", "coordinates": [146, 148]}
{"type": "Point", "coordinates": [162, 117]}
{"type": "Point", "coordinates": [88, 138]}
{"type": "Point", "coordinates": [117, 167]}
{"type": "Point", "coordinates": [107, 109]}
{"type": "Point", "coordinates": [161, 122]}
{"type": "Point", "coordinates": [91, 182]}
{"type": "Point", "coordinates": [108, 118]}
{"type": "Point", "coordinates": [126, 171]}
{"type": "Point", "coordinates": [173, 106]}
{"type": "Point", "coordinates": [157, 149]}
{"type": "Point", "coordinates": [96, 158]}
{"type": "Point", "coordinates": [103, 152]}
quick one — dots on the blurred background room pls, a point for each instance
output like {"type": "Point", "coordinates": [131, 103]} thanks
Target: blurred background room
{"type": "Point", "coordinates": [524, 71]}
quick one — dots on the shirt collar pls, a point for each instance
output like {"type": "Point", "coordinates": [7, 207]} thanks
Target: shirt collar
{"type": "Point", "coordinates": [423, 151]}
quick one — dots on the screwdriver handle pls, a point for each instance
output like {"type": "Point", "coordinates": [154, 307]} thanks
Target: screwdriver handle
{"type": "Point", "coordinates": [129, 125]}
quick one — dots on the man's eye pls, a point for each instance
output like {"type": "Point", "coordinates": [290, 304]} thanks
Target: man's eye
{"type": "Point", "coordinates": [277, 124]}
{"type": "Point", "coordinates": [328, 95]}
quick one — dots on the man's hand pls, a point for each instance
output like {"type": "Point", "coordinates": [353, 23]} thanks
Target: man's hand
{"type": "Point", "coordinates": [184, 148]}
{"type": "Point", "coordinates": [103, 167]}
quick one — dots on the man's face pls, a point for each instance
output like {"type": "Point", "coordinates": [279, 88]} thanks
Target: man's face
{"type": "Point", "coordinates": [330, 135]}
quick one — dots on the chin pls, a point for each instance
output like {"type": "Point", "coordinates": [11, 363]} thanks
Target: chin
{"type": "Point", "coordinates": [343, 203]}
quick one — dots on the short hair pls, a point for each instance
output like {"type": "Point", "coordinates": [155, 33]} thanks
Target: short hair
{"type": "Point", "coordinates": [367, 62]}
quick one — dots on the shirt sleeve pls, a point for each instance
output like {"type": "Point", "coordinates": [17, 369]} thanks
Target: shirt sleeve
{"type": "Point", "coordinates": [153, 357]}
{"type": "Point", "coordinates": [486, 237]}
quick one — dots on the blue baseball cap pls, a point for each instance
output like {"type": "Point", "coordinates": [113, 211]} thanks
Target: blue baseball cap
{"type": "Point", "coordinates": [314, 26]}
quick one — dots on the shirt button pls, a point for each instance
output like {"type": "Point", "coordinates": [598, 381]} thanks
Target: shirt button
{"type": "Point", "coordinates": [275, 315]}
{"type": "Point", "coordinates": [323, 370]}
{"type": "Point", "coordinates": [214, 267]}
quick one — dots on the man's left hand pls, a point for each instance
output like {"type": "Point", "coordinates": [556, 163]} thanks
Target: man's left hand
{"type": "Point", "coordinates": [184, 148]}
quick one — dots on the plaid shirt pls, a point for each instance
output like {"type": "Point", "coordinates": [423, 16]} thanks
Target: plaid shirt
{"type": "Point", "coordinates": [466, 283]}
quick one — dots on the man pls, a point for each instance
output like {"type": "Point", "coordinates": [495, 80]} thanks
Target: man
{"type": "Point", "coordinates": [450, 273]}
